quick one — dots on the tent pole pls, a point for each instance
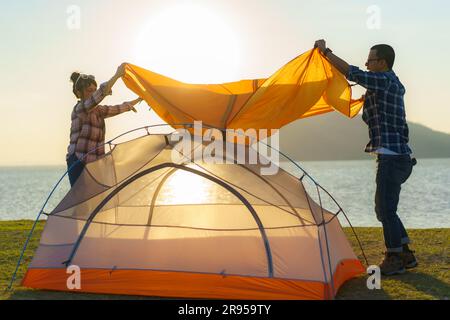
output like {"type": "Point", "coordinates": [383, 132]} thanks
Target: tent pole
{"type": "Point", "coordinates": [332, 198]}
{"type": "Point", "coordinates": [13, 278]}
{"type": "Point", "coordinates": [180, 167]}
{"type": "Point", "coordinates": [326, 243]}
{"type": "Point", "coordinates": [30, 234]}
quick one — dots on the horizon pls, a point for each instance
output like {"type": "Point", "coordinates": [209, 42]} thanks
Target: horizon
{"type": "Point", "coordinates": [363, 155]}
{"type": "Point", "coordinates": [44, 44]}
{"type": "Point", "coordinates": [64, 166]}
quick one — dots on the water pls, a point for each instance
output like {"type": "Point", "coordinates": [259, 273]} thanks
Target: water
{"type": "Point", "coordinates": [424, 201]}
{"type": "Point", "coordinates": [24, 190]}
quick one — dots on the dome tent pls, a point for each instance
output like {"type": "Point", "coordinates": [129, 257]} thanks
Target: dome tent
{"type": "Point", "coordinates": [139, 223]}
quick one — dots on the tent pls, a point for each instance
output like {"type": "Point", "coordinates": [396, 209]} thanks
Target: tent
{"type": "Point", "coordinates": [149, 225]}
{"type": "Point", "coordinates": [306, 86]}
{"type": "Point", "coordinates": [142, 222]}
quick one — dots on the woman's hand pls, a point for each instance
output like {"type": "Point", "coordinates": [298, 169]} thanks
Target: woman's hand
{"type": "Point", "coordinates": [121, 70]}
{"type": "Point", "coordinates": [133, 103]}
{"type": "Point", "coordinates": [119, 74]}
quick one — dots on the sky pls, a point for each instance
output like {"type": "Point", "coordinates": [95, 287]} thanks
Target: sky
{"type": "Point", "coordinates": [204, 41]}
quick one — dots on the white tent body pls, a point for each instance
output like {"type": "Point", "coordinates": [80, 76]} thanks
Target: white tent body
{"type": "Point", "coordinates": [139, 222]}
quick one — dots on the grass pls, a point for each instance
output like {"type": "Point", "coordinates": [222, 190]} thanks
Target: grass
{"type": "Point", "coordinates": [430, 280]}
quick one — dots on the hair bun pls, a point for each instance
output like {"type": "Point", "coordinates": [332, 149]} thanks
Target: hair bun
{"type": "Point", "coordinates": [74, 77]}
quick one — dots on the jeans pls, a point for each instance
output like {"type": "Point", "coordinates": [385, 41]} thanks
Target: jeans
{"type": "Point", "coordinates": [76, 170]}
{"type": "Point", "coordinates": [392, 172]}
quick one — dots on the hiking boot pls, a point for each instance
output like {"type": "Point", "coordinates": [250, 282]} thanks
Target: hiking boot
{"type": "Point", "coordinates": [409, 260]}
{"type": "Point", "coordinates": [392, 264]}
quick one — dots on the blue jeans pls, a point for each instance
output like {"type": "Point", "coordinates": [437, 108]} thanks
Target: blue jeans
{"type": "Point", "coordinates": [392, 172]}
{"type": "Point", "coordinates": [76, 170]}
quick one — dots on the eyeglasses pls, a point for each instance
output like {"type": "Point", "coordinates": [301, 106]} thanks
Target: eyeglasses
{"type": "Point", "coordinates": [370, 60]}
{"type": "Point", "coordinates": [84, 77]}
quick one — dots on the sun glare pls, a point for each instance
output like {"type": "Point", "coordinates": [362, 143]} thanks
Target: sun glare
{"type": "Point", "coordinates": [187, 188]}
{"type": "Point", "coordinates": [189, 43]}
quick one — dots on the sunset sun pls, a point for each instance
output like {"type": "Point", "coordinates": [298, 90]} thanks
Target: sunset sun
{"type": "Point", "coordinates": [189, 43]}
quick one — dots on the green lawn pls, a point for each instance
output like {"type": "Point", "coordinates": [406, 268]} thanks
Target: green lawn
{"type": "Point", "coordinates": [431, 280]}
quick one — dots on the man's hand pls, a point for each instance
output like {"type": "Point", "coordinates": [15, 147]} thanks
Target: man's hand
{"type": "Point", "coordinates": [337, 62]}
{"type": "Point", "coordinates": [321, 44]}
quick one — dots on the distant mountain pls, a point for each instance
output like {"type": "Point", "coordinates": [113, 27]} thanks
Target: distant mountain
{"type": "Point", "coordinates": [335, 137]}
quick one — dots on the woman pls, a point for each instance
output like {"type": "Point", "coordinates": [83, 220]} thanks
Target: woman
{"type": "Point", "coordinates": [87, 133]}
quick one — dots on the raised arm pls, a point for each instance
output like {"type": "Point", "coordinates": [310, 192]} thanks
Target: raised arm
{"type": "Point", "coordinates": [119, 73]}
{"type": "Point", "coordinates": [103, 91]}
{"type": "Point", "coordinates": [370, 80]}
{"type": "Point", "coordinates": [111, 111]}
{"type": "Point", "coordinates": [340, 64]}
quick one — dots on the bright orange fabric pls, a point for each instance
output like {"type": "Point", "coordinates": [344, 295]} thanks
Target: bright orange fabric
{"type": "Point", "coordinates": [191, 285]}
{"type": "Point", "coordinates": [308, 85]}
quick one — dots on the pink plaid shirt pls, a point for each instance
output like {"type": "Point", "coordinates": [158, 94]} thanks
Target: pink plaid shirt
{"type": "Point", "coordinates": [87, 131]}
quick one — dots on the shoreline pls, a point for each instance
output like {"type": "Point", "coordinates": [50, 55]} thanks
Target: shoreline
{"type": "Point", "coordinates": [64, 165]}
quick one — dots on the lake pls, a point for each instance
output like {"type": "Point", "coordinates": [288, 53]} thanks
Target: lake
{"type": "Point", "coordinates": [424, 201]}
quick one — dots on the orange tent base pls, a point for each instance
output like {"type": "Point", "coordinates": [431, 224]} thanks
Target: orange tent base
{"type": "Point", "coordinates": [191, 285]}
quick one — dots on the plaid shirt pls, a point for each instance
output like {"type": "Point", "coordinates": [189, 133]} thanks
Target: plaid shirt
{"type": "Point", "coordinates": [87, 131]}
{"type": "Point", "coordinates": [384, 110]}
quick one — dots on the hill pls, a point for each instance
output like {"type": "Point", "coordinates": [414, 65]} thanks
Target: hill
{"type": "Point", "coordinates": [335, 137]}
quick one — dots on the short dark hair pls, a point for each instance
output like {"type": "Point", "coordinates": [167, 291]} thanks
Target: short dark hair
{"type": "Point", "coordinates": [82, 84]}
{"type": "Point", "coordinates": [385, 52]}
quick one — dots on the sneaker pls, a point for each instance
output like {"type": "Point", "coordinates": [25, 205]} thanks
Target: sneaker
{"type": "Point", "coordinates": [409, 260]}
{"type": "Point", "coordinates": [392, 264]}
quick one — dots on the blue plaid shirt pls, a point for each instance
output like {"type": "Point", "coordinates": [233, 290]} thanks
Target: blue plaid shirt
{"type": "Point", "coordinates": [384, 110]}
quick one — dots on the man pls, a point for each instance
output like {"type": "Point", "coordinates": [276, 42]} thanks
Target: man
{"type": "Point", "coordinates": [384, 113]}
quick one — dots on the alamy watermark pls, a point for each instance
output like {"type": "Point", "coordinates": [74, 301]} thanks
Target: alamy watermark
{"type": "Point", "coordinates": [74, 280]}
{"type": "Point", "coordinates": [374, 279]}
{"type": "Point", "coordinates": [228, 146]}
{"type": "Point", "coordinates": [73, 21]}
{"type": "Point", "coordinates": [374, 19]}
